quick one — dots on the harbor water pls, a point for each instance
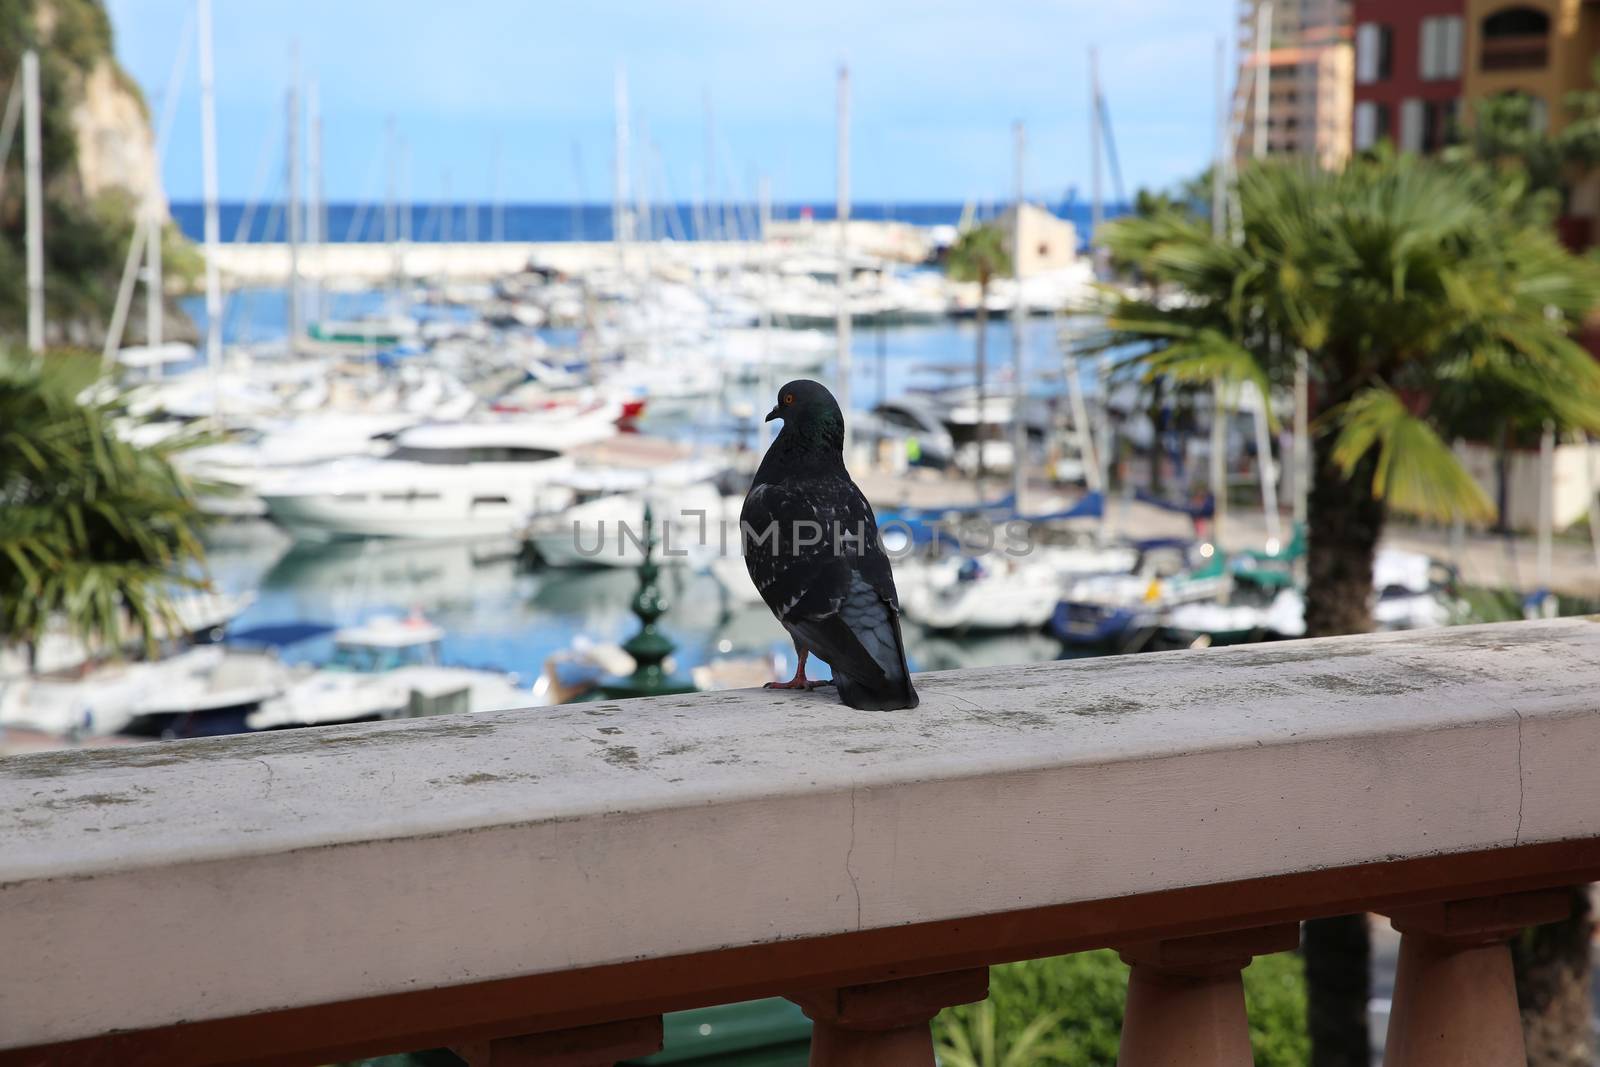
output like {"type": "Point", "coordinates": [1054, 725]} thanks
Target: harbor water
{"type": "Point", "coordinates": [427, 222]}
{"type": "Point", "coordinates": [499, 612]}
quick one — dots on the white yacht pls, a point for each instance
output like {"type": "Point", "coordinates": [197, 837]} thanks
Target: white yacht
{"type": "Point", "coordinates": [692, 526]}
{"type": "Point", "coordinates": [192, 693]}
{"type": "Point", "coordinates": [238, 467]}
{"type": "Point", "coordinates": [454, 480]}
{"type": "Point", "coordinates": [388, 668]}
{"type": "Point", "coordinates": [995, 593]}
{"type": "Point", "coordinates": [200, 614]}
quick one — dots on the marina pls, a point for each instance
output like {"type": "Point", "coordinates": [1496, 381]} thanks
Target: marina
{"type": "Point", "coordinates": [431, 499]}
{"type": "Point", "coordinates": [860, 583]}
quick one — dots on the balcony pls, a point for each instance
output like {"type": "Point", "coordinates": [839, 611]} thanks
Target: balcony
{"type": "Point", "coordinates": [1515, 52]}
{"type": "Point", "coordinates": [544, 884]}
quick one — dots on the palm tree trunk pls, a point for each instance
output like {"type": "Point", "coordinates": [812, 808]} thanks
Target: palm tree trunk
{"type": "Point", "coordinates": [983, 341]}
{"type": "Point", "coordinates": [1344, 523]}
{"type": "Point", "coordinates": [1553, 970]}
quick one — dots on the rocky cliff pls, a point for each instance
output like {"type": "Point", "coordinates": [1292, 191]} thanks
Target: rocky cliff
{"type": "Point", "coordinates": [116, 146]}
{"type": "Point", "coordinates": [99, 167]}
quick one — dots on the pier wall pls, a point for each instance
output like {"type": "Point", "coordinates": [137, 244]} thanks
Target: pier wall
{"type": "Point", "coordinates": [372, 263]}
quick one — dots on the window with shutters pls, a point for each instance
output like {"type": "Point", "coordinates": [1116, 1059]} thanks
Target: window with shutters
{"type": "Point", "coordinates": [1439, 55]}
{"type": "Point", "coordinates": [1411, 123]}
{"type": "Point", "coordinates": [1366, 123]}
{"type": "Point", "coordinates": [1374, 45]}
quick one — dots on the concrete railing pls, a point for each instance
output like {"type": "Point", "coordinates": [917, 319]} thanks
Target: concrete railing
{"type": "Point", "coordinates": [548, 882]}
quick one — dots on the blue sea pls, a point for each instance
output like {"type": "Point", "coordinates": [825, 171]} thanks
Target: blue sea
{"type": "Point", "coordinates": [429, 222]}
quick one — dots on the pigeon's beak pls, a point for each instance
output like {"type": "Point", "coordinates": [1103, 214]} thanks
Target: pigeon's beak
{"type": "Point", "coordinates": [773, 414]}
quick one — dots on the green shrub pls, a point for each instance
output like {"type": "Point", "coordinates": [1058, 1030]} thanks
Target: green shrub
{"type": "Point", "coordinates": [1275, 997]}
{"type": "Point", "coordinates": [1085, 992]}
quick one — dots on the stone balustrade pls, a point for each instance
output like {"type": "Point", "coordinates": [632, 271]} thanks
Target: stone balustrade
{"type": "Point", "coordinates": [539, 886]}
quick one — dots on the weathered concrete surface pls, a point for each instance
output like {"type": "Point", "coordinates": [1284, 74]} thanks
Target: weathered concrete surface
{"type": "Point", "coordinates": [206, 879]}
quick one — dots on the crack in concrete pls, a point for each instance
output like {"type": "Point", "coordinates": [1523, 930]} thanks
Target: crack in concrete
{"type": "Point", "coordinates": [271, 775]}
{"type": "Point", "coordinates": [849, 852]}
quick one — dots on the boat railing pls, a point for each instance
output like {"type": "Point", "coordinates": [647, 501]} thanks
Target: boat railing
{"type": "Point", "coordinates": [548, 882]}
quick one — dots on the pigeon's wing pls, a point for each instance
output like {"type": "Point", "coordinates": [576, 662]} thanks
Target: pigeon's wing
{"type": "Point", "coordinates": [865, 626]}
{"type": "Point", "coordinates": [836, 595]}
{"type": "Point", "coordinates": [871, 609]}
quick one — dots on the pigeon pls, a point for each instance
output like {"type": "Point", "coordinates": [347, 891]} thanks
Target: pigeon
{"type": "Point", "coordinates": [811, 546]}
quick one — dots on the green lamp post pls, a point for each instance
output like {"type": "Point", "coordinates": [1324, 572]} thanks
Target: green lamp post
{"type": "Point", "coordinates": [760, 1033]}
{"type": "Point", "coordinates": [649, 647]}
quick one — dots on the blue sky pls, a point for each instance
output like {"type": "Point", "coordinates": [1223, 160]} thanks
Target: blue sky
{"type": "Point", "coordinates": [936, 87]}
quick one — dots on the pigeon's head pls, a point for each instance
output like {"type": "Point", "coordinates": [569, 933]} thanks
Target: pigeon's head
{"type": "Point", "coordinates": [807, 408]}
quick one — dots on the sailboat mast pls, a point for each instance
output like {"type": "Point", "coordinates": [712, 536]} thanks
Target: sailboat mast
{"type": "Point", "coordinates": [34, 195]}
{"type": "Point", "coordinates": [407, 205]}
{"type": "Point", "coordinates": [292, 181]}
{"type": "Point", "coordinates": [842, 211]}
{"type": "Point", "coordinates": [391, 203]}
{"type": "Point", "coordinates": [1219, 172]}
{"type": "Point", "coordinates": [152, 277]}
{"type": "Point", "coordinates": [497, 213]}
{"type": "Point", "coordinates": [619, 206]}
{"type": "Point", "coordinates": [1019, 429]}
{"type": "Point", "coordinates": [1266, 469]}
{"type": "Point", "coordinates": [208, 156]}
{"type": "Point", "coordinates": [713, 229]}
{"type": "Point", "coordinates": [317, 219]}
{"type": "Point", "coordinates": [1096, 208]}
{"type": "Point", "coordinates": [1267, 474]}
{"type": "Point", "coordinates": [1263, 78]}
{"type": "Point", "coordinates": [764, 202]}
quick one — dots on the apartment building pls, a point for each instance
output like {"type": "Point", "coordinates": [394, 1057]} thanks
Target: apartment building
{"type": "Point", "coordinates": [1307, 61]}
{"type": "Point", "coordinates": [1408, 73]}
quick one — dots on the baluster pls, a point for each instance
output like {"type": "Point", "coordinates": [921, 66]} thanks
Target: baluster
{"type": "Point", "coordinates": [1186, 999]}
{"type": "Point", "coordinates": [885, 1024]}
{"type": "Point", "coordinates": [601, 1045]}
{"type": "Point", "coordinates": [1455, 1000]}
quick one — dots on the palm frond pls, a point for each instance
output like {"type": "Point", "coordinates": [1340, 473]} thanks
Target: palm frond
{"type": "Point", "coordinates": [1415, 470]}
{"type": "Point", "coordinates": [95, 532]}
{"type": "Point", "coordinates": [1029, 1046]}
{"type": "Point", "coordinates": [978, 255]}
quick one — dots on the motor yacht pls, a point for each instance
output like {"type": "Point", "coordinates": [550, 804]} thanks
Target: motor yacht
{"type": "Point", "coordinates": [388, 668]}
{"type": "Point", "coordinates": [444, 481]}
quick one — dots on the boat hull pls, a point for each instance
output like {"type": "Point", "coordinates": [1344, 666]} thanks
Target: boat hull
{"type": "Point", "coordinates": [314, 519]}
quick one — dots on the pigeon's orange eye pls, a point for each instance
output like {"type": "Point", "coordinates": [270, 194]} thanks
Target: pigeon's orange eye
{"type": "Point", "coordinates": [788, 398]}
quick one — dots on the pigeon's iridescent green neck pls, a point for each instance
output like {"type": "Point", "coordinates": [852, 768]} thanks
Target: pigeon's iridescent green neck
{"type": "Point", "coordinates": [815, 431]}
{"type": "Point", "coordinates": [804, 447]}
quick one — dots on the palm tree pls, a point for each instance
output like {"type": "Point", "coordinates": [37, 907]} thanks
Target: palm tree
{"type": "Point", "coordinates": [95, 532]}
{"type": "Point", "coordinates": [979, 255]}
{"type": "Point", "coordinates": [1424, 296]}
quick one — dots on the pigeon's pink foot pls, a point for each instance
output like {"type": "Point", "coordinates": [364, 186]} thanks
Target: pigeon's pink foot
{"type": "Point", "coordinates": [797, 682]}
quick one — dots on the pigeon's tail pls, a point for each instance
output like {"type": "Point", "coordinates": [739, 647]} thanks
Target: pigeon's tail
{"type": "Point", "coordinates": [890, 690]}
{"type": "Point", "coordinates": [893, 695]}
